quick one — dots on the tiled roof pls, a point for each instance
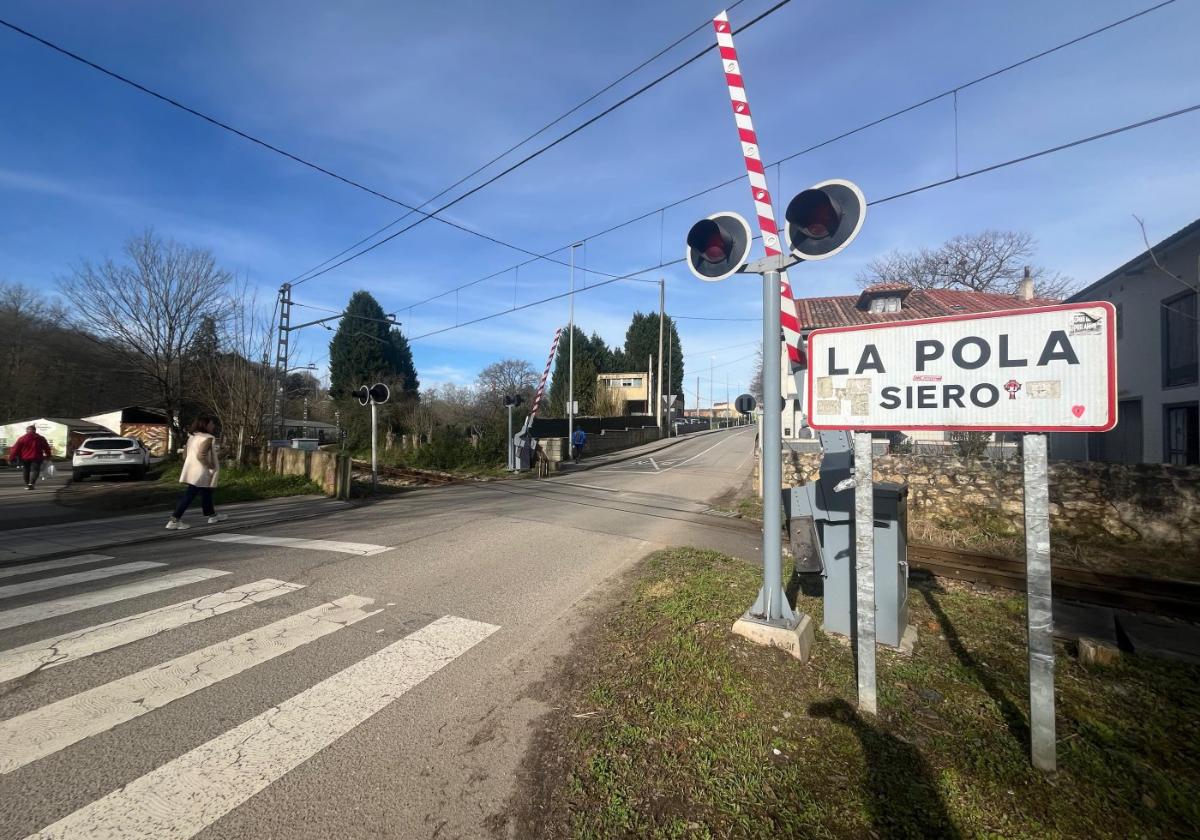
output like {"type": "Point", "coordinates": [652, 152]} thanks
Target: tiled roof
{"type": "Point", "coordinates": [842, 311]}
{"type": "Point", "coordinates": [887, 287]}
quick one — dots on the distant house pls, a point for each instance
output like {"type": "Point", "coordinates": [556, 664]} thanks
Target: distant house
{"type": "Point", "coordinates": [630, 389]}
{"type": "Point", "coordinates": [1158, 358]}
{"type": "Point", "coordinates": [64, 434]}
{"type": "Point", "coordinates": [151, 427]}
{"type": "Point", "coordinates": [881, 303]}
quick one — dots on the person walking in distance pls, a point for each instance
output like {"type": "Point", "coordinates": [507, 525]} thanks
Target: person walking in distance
{"type": "Point", "coordinates": [30, 449]}
{"type": "Point", "coordinates": [578, 441]}
{"type": "Point", "coordinates": [200, 468]}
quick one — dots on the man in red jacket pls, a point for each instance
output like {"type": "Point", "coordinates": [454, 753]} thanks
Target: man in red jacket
{"type": "Point", "coordinates": [30, 449]}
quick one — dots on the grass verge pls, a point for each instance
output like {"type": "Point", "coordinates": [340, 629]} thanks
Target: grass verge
{"type": "Point", "coordinates": [668, 726]}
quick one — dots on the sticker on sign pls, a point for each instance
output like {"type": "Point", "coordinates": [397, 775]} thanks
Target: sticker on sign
{"type": "Point", "coordinates": [1049, 369]}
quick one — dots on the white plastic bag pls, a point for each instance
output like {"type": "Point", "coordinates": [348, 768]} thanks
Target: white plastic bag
{"type": "Point", "coordinates": [48, 470]}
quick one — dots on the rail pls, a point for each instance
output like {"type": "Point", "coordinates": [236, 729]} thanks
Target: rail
{"type": "Point", "coordinates": [1177, 598]}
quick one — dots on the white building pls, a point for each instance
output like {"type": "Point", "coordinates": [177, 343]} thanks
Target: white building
{"type": "Point", "coordinates": [1158, 351]}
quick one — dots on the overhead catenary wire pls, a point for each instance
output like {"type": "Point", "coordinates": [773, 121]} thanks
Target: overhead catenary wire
{"type": "Point", "coordinates": [497, 158]}
{"type": "Point", "coordinates": [221, 124]}
{"type": "Point", "coordinates": [870, 124]}
{"type": "Point", "coordinates": [533, 155]}
{"type": "Point", "coordinates": [932, 185]}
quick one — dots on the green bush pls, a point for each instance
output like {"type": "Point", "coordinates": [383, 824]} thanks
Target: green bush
{"type": "Point", "coordinates": [451, 449]}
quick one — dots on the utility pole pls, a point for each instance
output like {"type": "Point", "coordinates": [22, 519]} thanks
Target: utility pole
{"type": "Point", "coordinates": [571, 355]}
{"type": "Point", "coordinates": [281, 356]}
{"type": "Point", "coordinates": [671, 407]}
{"type": "Point", "coordinates": [712, 410]}
{"type": "Point", "coordinates": [662, 312]}
{"type": "Point", "coordinates": [649, 373]}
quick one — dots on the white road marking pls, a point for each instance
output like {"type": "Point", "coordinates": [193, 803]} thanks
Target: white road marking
{"type": "Point", "coordinates": [723, 439]}
{"type": "Point", "coordinates": [361, 549]}
{"type": "Point", "coordinates": [47, 730]}
{"type": "Point", "coordinates": [48, 565]}
{"type": "Point", "coordinates": [190, 793]}
{"type": "Point", "coordinates": [50, 653]}
{"type": "Point", "coordinates": [87, 600]}
{"type": "Point", "coordinates": [15, 589]}
{"type": "Point", "coordinates": [654, 465]}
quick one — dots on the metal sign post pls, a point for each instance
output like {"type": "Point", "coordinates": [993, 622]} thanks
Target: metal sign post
{"type": "Point", "coordinates": [1039, 610]}
{"type": "Point", "coordinates": [1035, 370]}
{"type": "Point", "coordinates": [864, 569]}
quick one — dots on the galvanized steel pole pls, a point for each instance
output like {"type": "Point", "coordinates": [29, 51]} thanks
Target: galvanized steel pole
{"type": "Point", "coordinates": [864, 568]}
{"type": "Point", "coordinates": [374, 450]}
{"type": "Point", "coordinates": [571, 359]}
{"type": "Point", "coordinates": [658, 383]}
{"type": "Point", "coordinates": [772, 456]}
{"type": "Point", "coordinates": [1040, 609]}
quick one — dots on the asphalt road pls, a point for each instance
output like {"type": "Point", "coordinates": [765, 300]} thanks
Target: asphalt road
{"type": "Point", "coordinates": [374, 673]}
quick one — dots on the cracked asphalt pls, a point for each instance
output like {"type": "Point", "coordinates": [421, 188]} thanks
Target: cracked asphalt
{"type": "Point", "coordinates": [440, 760]}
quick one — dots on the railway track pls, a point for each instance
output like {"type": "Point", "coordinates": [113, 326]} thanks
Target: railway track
{"type": "Point", "coordinates": [424, 476]}
{"type": "Point", "coordinates": [1177, 598]}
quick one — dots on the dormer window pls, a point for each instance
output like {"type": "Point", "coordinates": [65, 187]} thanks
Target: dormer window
{"type": "Point", "coordinates": [883, 297]}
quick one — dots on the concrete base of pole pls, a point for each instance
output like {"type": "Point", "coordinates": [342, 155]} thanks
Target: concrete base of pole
{"type": "Point", "coordinates": [795, 637]}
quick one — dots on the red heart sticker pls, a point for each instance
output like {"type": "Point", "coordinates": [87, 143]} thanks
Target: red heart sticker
{"type": "Point", "coordinates": [1077, 410]}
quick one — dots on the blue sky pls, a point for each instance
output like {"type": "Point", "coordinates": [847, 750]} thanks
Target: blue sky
{"type": "Point", "coordinates": [409, 97]}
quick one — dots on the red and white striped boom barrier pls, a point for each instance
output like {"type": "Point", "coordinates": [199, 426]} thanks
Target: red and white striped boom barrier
{"type": "Point", "coordinates": [541, 391]}
{"type": "Point", "coordinates": [758, 181]}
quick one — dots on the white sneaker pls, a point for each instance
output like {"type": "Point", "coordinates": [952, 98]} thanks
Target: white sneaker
{"type": "Point", "coordinates": [174, 524]}
{"type": "Point", "coordinates": [215, 518]}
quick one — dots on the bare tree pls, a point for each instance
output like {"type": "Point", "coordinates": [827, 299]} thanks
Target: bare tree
{"type": "Point", "coordinates": [756, 378]}
{"type": "Point", "coordinates": [150, 307]}
{"type": "Point", "coordinates": [235, 384]}
{"type": "Point", "coordinates": [991, 261]}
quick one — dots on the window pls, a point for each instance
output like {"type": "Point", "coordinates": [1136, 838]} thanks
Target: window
{"type": "Point", "coordinates": [889, 303]}
{"type": "Point", "coordinates": [1179, 341]}
{"type": "Point", "coordinates": [1181, 434]}
{"type": "Point", "coordinates": [629, 383]}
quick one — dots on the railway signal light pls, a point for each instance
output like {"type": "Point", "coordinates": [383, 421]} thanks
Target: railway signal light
{"type": "Point", "coordinates": [718, 246]}
{"type": "Point", "coordinates": [824, 219]}
{"type": "Point", "coordinates": [377, 393]}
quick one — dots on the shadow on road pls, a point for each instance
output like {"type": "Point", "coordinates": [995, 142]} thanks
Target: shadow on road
{"type": "Point", "coordinates": [900, 790]}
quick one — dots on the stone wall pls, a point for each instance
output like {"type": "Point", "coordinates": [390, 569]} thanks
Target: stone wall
{"type": "Point", "coordinates": [610, 440]}
{"type": "Point", "coordinates": [1099, 501]}
{"type": "Point", "coordinates": [329, 469]}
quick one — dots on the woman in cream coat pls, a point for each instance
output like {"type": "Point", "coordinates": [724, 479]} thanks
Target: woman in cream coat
{"type": "Point", "coordinates": [200, 469]}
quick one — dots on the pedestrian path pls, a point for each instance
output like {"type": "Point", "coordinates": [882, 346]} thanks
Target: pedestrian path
{"type": "Point", "coordinates": [189, 790]}
{"type": "Point", "coordinates": [22, 544]}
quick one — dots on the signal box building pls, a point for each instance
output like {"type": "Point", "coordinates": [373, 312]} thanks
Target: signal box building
{"type": "Point", "coordinates": [630, 389]}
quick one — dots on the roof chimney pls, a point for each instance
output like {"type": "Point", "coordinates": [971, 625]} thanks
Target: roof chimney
{"type": "Point", "coordinates": [1025, 287]}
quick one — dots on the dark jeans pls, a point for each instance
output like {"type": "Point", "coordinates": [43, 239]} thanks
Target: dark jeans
{"type": "Point", "coordinates": [32, 471]}
{"type": "Point", "coordinates": [577, 453]}
{"type": "Point", "coordinates": [189, 495]}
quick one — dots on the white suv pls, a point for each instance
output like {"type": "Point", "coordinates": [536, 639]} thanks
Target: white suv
{"type": "Point", "coordinates": [109, 455]}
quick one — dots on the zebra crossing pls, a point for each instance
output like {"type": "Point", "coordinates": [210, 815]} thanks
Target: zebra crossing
{"type": "Point", "coordinates": [190, 791]}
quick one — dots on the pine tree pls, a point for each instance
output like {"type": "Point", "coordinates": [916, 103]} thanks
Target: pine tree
{"type": "Point", "coordinates": [592, 357]}
{"type": "Point", "coordinates": [367, 349]}
{"type": "Point", "coordinates": [641, 342]}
